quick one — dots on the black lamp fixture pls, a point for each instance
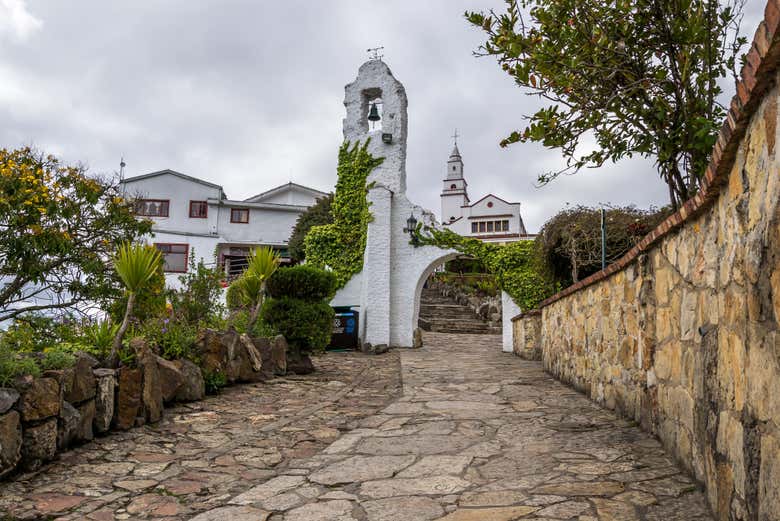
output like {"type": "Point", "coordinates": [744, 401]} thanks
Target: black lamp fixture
{"type": "Point", "coordinates": [411, 228]}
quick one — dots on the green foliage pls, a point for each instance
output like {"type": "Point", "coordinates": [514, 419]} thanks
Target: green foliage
{"type": "Point", "coordinates": [240, 321]}
{"type": "Point", "coordinates": [302, 282]}
{"type": "Point", "coordinates": [197, 301]}
{"type": "Point", "coordinates": [97, 337]}
{"type": "Point", "coordinates": [36, 333]}
{"type": "Point", "coordinates": [13, 365]}
{"type": "Point", "coordinates": [305, 325]}
{"type": "Point", "coordinates": [339, 246]}
{"type": "Point", "coordinates": [58, 358]}
{"type": "Point", "coordinates": [136, 264]}
{"type": "Point", "coordinates": [235, 299]}
{"type": "Point", "coordinates": [58, 227]}
{"type": "Point", "coordinates": [625, 77]}
{"type": "Point", "coordinates": [249, 287]}
{"type": "Point", "coordinates": [316, 215]}
{"type": "Point", "coordinates": [149, 300]}
{"type": "Point", "coordinates": [215, 381]}
{"type": "Point", "coordinates": [569, 244]}
{"type": "Point", "coordinates": [512, 265]}
{"type": "Point", "coordinates": [172, 337]}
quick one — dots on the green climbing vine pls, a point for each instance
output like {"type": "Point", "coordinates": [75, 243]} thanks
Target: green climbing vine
{"type": "Point", "coordinates": [340, 245]}
{"type": "Point", "coordinates": [513, 265]}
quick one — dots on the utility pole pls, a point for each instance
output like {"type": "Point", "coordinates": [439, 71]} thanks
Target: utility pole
{"type": "Point", "coordinates": [603, 239]}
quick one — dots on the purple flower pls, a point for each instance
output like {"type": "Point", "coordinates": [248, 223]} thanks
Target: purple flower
{"type": "Point", "coordinates": [164, 330]}
{"type": "Point", "coordinates": [166, 321]}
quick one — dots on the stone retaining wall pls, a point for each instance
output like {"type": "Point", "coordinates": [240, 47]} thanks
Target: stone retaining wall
{"type": "Point", "coordinates": [527, 335]}
{"type": "Point", "coordinates": [45, 415]}
{"type": "Point", "coordinates": [682, 333]}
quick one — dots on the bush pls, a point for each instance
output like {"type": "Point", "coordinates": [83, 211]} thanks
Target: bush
{"type": "Point", "coordinates": [303, 283]}
{"type": "Point", "coordinates": [307, 326]}
{"type": "Point", "coordinates": [214, 381]}
{"type": "Point", "coordinates": [96, 338]}
{"type": "Point", "coordinates": [240, 321]}
{"type": "Point", "coordinates": [14, 365]}
{"type": "Point", "coordinates": [198, 299]}
{"type": "Point", "coordinates": [317, 215]}
{"type": "Point", "coordinates": [173, 338]}
{"type": "Point", "coordinates": [58, 358]}
{"type": "Point", "coordinates": [235, 298]}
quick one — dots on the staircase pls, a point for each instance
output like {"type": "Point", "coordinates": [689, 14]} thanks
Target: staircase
{"type": "Point", "coordinates": [443, 314]}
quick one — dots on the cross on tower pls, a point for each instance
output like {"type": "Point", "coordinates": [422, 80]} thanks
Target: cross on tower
{"type": "Point", "coordinates": [455, 136]}
{"type": "Point", "coordinates": [374, 53]}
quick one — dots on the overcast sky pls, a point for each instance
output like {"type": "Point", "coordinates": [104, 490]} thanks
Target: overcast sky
{"type": "Point", "coordinates": [249, 94]}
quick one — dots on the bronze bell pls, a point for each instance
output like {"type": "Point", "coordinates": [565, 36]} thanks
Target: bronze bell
{"type": "Point", "coordinates": [373, 114]}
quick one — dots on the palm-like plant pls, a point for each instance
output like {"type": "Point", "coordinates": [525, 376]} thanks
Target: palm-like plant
{"type": "Point", "coordinates": [262, 263]}
{"type": "Point", "coordinates": [135, 264]}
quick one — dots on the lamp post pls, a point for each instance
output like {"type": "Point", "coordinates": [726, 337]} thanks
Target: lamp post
{"type": "Point", "coordinates": [411, 228]}
{"type": "Point", "coordinates": [603, 239]}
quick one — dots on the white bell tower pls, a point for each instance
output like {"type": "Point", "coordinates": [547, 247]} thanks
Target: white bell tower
{"type": "Point", "coordinates": [454, 192]}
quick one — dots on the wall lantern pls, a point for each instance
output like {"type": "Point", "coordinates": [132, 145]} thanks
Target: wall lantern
{"type": "Point", "coordinates": [387, 138]}
{"type": "Point", "coordinates": [411, 228]}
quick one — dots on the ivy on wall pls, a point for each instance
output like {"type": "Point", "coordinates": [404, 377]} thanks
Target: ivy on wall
{"type": "Point", "coordinates": [513, 264]}
{"type": "Point", "coordinates": [339, 246]}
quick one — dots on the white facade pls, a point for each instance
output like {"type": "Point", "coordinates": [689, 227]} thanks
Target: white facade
{"type": "Point", "coordinates": [490, 219]}
{"type": "Point", "coordinates": [201, 220]}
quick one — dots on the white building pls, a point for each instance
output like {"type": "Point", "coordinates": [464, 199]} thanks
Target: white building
{"type": "Point", "coordinates": [490, 219]}
{"type": "Point", "coordinates": [195, 217]}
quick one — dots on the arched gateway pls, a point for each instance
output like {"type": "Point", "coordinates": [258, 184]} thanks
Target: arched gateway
{"type": "Point", "coordinates": [394, 271]}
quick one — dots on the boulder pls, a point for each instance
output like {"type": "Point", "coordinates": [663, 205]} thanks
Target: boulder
{"type": "Point", "coordinates": [10, 442]}
{"type": "Point", "coordinates": [40, 399]}
{"type": "Point", "coordinates": [8, 398]}
{"type": "Point", "coordinates": [151, 394]}
{"type": "Point", "coordinates": [301, 364]}
{"type": "Point", "coordinates": [212, 348]}
{"type": "Point", "coordinates": [170, 378]}
{"type": "Point", "coordinates": [67, 425]}
{"type": "Point", "coordinates": [192, 386]}
{"type": "Point", "coordinates": [244, 363]}
{"type": "Point", "coordinates": [418, 338]}
{"type": "Point", "coordinates": [278, 356]}
{"type": "Point", "coordinates": [128, 400]}
{"type": "Point", "coordinates": [39, 443]}
{"type": "Point", "coordinates": [79, 381]}
{"type": "Point", "coordinates": [87, 412]}
{"type": "Point", "coordinates": [104, 399]}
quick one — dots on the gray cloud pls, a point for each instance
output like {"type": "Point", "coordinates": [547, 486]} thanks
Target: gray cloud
{"type": "Point", "coordinates": [249, 94]}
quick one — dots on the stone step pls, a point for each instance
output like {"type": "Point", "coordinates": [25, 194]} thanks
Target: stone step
{"type": "Point", "coordinates": [443, 314]}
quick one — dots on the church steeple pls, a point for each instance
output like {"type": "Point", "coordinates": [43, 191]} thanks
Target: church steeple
{"type": "Point", "coordinates": [454, 194]}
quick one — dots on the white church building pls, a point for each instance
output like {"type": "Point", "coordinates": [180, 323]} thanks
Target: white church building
{"type": "Point", "coordinates": [195, 217]}
{"type": "Point", "coordinates": [490, 219]}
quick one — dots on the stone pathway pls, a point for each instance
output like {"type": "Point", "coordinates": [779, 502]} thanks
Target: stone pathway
{"type": "Point", "coordinates": [477, 435]}
{"type": "Point", "coordinates": [204, 453]}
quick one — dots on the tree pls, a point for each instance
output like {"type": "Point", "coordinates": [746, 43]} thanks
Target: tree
{"type": "Point", "coordinates": [568, 246]}
{"type": "Point", "coordinates": [197, 301]}
{"type": "Point", "coordinates": [624, 77]}
{"type": "Point", "coordinates": [58, 229]}
{"type": "Point", "coordinates": [316, 215]}
{"type": "Point", "coordinates": [261, 264]}
{"type": "Point", "coordinates": [136, 265]}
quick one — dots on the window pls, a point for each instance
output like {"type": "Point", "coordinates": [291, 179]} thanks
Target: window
{"type": "Point", "coordinates": [199, 209]}
{"type": "Point", "coordinates": [454, 168]}
{"type": "Point", "coordinates": [174, 256]}
{"type": "Point", "coordinates": [239, 215]}
{"type": "Point", "coordinates": [481, 227]}
{"type": "Point", "coordinates": [490, 226]}
{"type": "Point", "coordinates": [474, 227]}
{"type": "Point", "coordinates": [152, 207]}
{"type": "Point", "coordinates": [453, 186]}
{"type": "Point", "coordinates": [490, 204]}
{"type": "Point", "coordinates": [505, 226]}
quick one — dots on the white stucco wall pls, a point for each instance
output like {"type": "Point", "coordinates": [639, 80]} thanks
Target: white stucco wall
{"type": "Point", "coordinates": [202, 247]}
{"type": "Point", "coordinates": [179, 192]}
{"type": "Point", "coordinates": [265, 226]}
{"type": "Point", "coordinates": [508, 310]}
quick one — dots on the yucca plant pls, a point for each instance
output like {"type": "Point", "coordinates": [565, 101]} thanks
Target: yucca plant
{"type": "Point", "coordinates": [135, 264]}
{"type": "Point", "coordinates": [262, 263]}
{"type": "Point", "coordinates": [99, 337]}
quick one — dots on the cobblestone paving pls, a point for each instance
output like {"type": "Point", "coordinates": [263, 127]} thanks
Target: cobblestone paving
{"type": "Point", "coordinates": [204, 453]}
{"type": "Point", "coordinates": [477, 435]}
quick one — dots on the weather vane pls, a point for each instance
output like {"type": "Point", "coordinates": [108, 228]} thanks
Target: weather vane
{"type": "Point", "coordinates": [455, 136]}
{"type": "Point", "coordinates": [374, 53]}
